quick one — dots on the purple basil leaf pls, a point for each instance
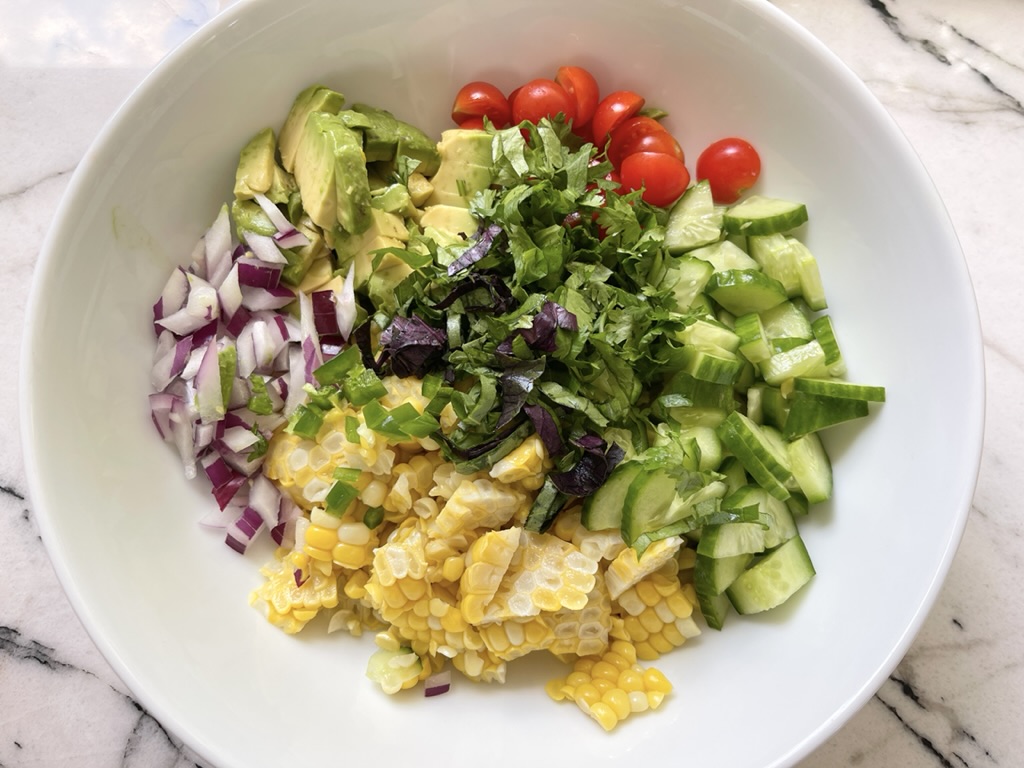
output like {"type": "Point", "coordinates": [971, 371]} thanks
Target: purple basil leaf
{"type": "Point", "coordinates": [552, 316]}
{"type": "Point", "coordinates": [546, 427]}
{"type": "Point", "coordinates": [593, 468]}
{"type": "Point", "coordinates": [516, 383]}
{"type": "Point", "coordinates": [477, 251]}
{"type": "Point", "coordinates": [500, 296]}
{"type": "Point", "coordinates": [413, 347]}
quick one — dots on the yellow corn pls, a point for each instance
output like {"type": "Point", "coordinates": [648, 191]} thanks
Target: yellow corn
{"type": "Point", "coordinates": [288, 604]}
{"type": "Point", "coordinates": [526, 464]}
{"type": "Point", "coordinates": [612, 686]}
{"type": "Point", "coordinates": [626, 569]}
{"type": "Point", "coordinates": [658, 615]}
{"type": "Point", "coordinates": [479, 503]}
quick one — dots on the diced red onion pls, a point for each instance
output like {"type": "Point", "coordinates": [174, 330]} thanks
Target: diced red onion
{"type": "Point", "coordinates": [217, 470]}
{"type": "Point", "coordinates": [201, 306]}
{"type": "Point", "coordinates": [438, 683]}
{"type": "Point", "coordinates": [264, 248]}
{"type": "Point", "coordinates": [234, 315]}
{"type": "Point", "coordinates": [160, 404]}
{"type": "Point", "coordinates": [265, 499]}
{"type": "Point", "coordinates": [291, 239]}
{"type": "Point", "coordinates": [243, 530]}
{"type": "Point", "coordinates": [181, 419]}
{"type": "Point", "coordinates": [296, 379]}
{"type": "Point", "coordinates": [216, 517]}
{"type": "Point", "coordinates": [278, 219]}
{"type": "Point", "coordinates": [239, 439]}
{"type": "Point", "coordinates": [173, 296]}
{"type": "Point", "coordinates": [258, 273]}
{"type": "Point", "coordinates": [203, 436]}
{"type": "Point", "coordinates": [254, 298]}
{"type": "Point", "coordinates": [224, 493]}
{"type": "Point", "coordinates": [218, 247]}
{"type": "Point", "coordinates": [167, 368]}
{"type": "Point", "coordinates": [209, 398]}
{"type": "Point", "coordinates": [325, 314]}
{"type": "Point", "coordinates": [312, 357]}
{"type": "Point", "coordinates": [345, 305]}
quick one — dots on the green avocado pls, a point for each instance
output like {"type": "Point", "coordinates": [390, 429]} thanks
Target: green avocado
{"type": "Point", "coordinates": [249, 217]}
{"type": "Point", "coordinates": [453, 220]}
{"type": "Point", "coordinates": [387, 137]}
{"type": "Point", "coordinates": [315, 98]}
{"type": "Point", "coordinates": [394, 198]}
{"type": "Point", "coordinates": [301, 259]}
{"type": "Point", "coordinates": [386, 230]}
{"type": "Point", "coordinates": [255, 171]}
{"type": "Point", "coordinates": [331, 174]}
{"type": "Point", "coordinates": [466, 167]}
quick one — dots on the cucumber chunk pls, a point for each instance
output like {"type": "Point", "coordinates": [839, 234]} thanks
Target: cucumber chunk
{"type": "Point", "coordinates": [842, 389]}
{"type": "Point", "coordinates": [811, 413]}
{"type": "Point", "coordinates": [647, 503]}
{"type": "Point", "coordinates": [731, 539]}
{"type": "Point", "coordinates": [759, 215]}
{"type": "Point", "coordinates": [713, 575]}
{"type": "Point", "coordinates": [777, 259]}
{"type": "Point", "coordinates": [773, 579]}
{"type": "Point", "coordinates": [758, 455]}
{"type": "Point", "coordinates": [745, 290]}
{"type": "Point", "coordinates": [825, 335]}
{"type": "Point", "coordinates": [811, 467]}
{"type": "Point", "coordinates": [811, 287]}
{"type": "Point", "coordinates": [803, 360]}
{"type": "Point", "coordinates": [603, 508]}
{"type": "Point", "coordinates": [725, 255]}
{"type": "Point", "coordinates": [694, 221]}
{"type": "Point", "coordinates": [714, 608]}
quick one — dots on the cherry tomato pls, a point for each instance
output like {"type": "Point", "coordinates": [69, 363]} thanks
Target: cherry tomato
{"type": "Point", "coordinates": [542, 98]}
{"type": "Point", "coordinates": [582, 86]}
{"type": "Point", "coordinates": [612, 111]}
{"type": "Point", "coordinates": [478, 99]}
{"type": "Point", "coordinates": [731, 167]}
{"type": "Point", "coordinates": [641, 134]}
{"type": "Point", "coordinates": [663, 177]}
{"type": "Point", "coordinates": [473, 122]}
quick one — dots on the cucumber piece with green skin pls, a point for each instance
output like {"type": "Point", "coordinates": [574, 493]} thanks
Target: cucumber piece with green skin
{"type": "Point", "coordinates": [694, 221]}
{"type": "Point", "coordinates": [725, 255]}
{"type": "Point", "coordinates": [714, 608]}
{"type": "Point", "coordinates": [774, 515]}
{"type": "Point", "coordinates": [812, 413]}
{"type": "Point", "coordinates": [687, 277]}
{"type": "Point", "coordinates": [745, 290]}
{"type": "Point", "coordinates": [754, 344]}
{"type": "Point", "coordinates": [731, 539]}
{"type": "Point", "coordinates": [825, 335]}
{"type": "Point", "coordinates": [759, 215]}
{"type": "Point", "coordinates": [759, 457]}
{"type": "Point", "coordinates": [718, 366]}
{"type": "Point", "coordinates": [647, 503]}
{"type": "Point", "coordinates": [713, 575]}
{"type": "Point", "coordinates": [709, 334]}
{"type": "Point", "coordinates": [709, 447]}
{"type": "Point", "coordinates": [811, 287]}
{"type": "Point", "coordinates": [733, 474]}
{"type": "Point", "coordinates": [841, 389]}
{"type": "Point", "coordinates": [777, 259]}
{"type": "Point", "coordinates": [772, 405]}
{"type": "Point", "coordinates": [804, 360]}
{"type": "Point", "coordinates": [603, 508]}
{"type": "Point", "coordinates": [786, 321]}
{"type": "Point", "coordinates": [811, 467]}
{"type": "Point", "coordinates": [773, 579]}
{"type": "Point", "coordinates": [798, 505]}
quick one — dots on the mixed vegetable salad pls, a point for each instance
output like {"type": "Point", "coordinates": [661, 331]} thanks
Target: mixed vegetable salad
{"type": "Point", "coordinates": [526, 388]}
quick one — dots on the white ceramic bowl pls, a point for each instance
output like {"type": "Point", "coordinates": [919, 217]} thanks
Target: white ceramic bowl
{"type": "Point", "coordinates": [166, 601]}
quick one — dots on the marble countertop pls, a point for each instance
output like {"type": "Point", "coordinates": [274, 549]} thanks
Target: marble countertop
{"type": "Point", "coordinates": [952, 75]}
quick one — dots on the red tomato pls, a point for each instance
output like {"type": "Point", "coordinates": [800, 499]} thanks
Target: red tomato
{"type": "Point", "coordinates": [662, 177]}
{"type": "Point", "coordinates": [641, 134]}
{"type": "Point", "coordinates": [478, 99]}
{"type": "Point", "coordinates": [582, 86]}
{"type": "Point", "coordinates": [731, 167]}
{"type": "Point", "coordinates": [542, 98]}
{"type": "Point", "coordinates": [473, 122]}
{"type": "Point", "coordinates": [612, 111]}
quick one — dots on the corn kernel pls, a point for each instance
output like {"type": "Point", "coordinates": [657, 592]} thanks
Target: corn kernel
{"type": "Point", "coordinates": [577, 678]}
{"type": "Point", "coordinates": [646, 651]}
{"type": "Point", "coordinates": [555, 689]}
{"type": "Point", "coordinates": [654, 698]}
{"type": "Point", "coordinates": [660, 643]}
{"type": "Point", "coordinates": [654, 680]}
{"type": "Point", "coordinates": [605, 671]}
{"type": "Point", "coordinates": [602, 685]}
{"type": "Point", "coordinates": [630, 680]}
{"type": "Point", "coordinates": [319, 517]}
{"type": "Point", "coordinates": [604, 714]}
{"type": "Point", "coordinates": [618, 700]}
{"type": "Point", "coordinates": [585, 665]}
{"type": "Point", "coordinates": [374, 493]}
{"type": "Point", "coordinates": [320, 538]}
{"type": "Point", "coordinates": [317, 554]}
{"type": "Point", "coordinates": [624, 649]}
{"type": "Point", "coordinates": [587, 694]}
{"type": "Point", "coordinates": [453, 568]}
{"type": "Point", "coordinates": [356, 534]}
{"type": "Point", "coordinates": [619, 662]}
{"type": "Point", "coordinates": [638, 701]}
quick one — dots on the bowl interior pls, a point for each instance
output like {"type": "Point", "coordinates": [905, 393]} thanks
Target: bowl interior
{"type": "Point", "coordinates": [166, 600]}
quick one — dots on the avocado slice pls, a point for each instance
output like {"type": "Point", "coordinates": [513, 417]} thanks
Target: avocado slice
{"type": "Point", "coordinates": [466, 167]}
{"type": "Point", "coordinates": [387, 137]}
{"type": "Point", "coordinates": [386, 230]}
{"type": "Point", "coordinates": [249, 217]}
{"type": "Point", "coordinates": [255, 171]}
{"type": "Point", "coordinates": [451, 219]}
{"type": "Point", "coordinates": [384, 280]}
{"type": "Point", "coordinates": [315, 98]}
{"type": "Point", "coordinates": [394, 198]}
{"type": "Point", "coordinates": [331, 174]}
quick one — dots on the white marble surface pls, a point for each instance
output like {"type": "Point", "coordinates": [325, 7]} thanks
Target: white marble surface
{"type": "Point", "coordinates": [952, 75]}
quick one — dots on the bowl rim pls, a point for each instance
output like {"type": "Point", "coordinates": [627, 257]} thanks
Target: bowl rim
{"type": "Point", "coordinates": [164, 710]}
